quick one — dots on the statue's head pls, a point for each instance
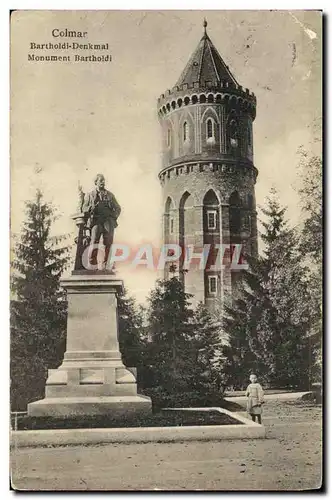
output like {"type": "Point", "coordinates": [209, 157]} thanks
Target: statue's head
{"type": "Point", "coordinates": [100, 181]}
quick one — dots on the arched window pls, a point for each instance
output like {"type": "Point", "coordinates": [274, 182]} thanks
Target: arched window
{"type": "Point", "coordinates": [209, 128]}
{"type": "Point", "coordinates": [210, 212]}
{"type": "Point", "coordinates": [168, 219]}
{"type": "Point", "coordinates": [185, 131]}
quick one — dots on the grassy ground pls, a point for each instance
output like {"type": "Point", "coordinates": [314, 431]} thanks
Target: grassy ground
{"type": "Point", "coordinates": [289, 459]}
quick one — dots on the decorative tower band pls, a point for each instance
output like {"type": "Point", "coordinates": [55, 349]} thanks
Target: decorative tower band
{"type": "Point", "coordinates": [208, 176]}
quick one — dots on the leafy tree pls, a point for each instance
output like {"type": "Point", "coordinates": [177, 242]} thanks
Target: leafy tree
{"type": "Point", "coordinates": [38, 310]}
{"type": "Point", "coordinates": [270, 323]}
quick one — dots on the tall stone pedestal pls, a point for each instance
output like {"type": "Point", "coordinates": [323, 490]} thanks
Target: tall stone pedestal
{"type": "Point", "coordinates": [92, 379]}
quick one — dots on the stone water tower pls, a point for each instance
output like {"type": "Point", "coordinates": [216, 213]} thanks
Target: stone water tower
{"type": "Point", "coordinates": [208, 176]}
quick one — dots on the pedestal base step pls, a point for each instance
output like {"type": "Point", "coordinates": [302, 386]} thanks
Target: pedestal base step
{"type": "Point", "coordinates": [89, 406]}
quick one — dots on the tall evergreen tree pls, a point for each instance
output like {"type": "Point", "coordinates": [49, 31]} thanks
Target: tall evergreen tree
{"type": "Point", "coordinates": [185, 344]}
{"type": "Point", "coordinates": [271, 320]}
{"type": "Point", "coordinates": [38, 309]}
{"type": "Point", "coordinates": [170, 330]}
{"type": "Point", "coordinates": [240, 323]}
{"type": "Point", "coordinates": [207, 343]}
{"type": "Point", "coordinates": [311, 197]}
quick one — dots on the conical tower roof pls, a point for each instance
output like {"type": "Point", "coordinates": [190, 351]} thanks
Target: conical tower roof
{"type": "Point", "coordinates": [205, 65]}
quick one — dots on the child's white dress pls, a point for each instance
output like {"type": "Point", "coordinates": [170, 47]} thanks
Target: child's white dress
{"type": "Point", "coordinates": [255, 396]}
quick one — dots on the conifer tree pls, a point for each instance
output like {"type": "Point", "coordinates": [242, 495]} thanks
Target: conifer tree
{"type": "Point", "coordinates": [240, 323]}
{"type": "Point", "coordinates": [269, 324]}
{"type": "Point", "coordinates": [207, 344]}
{"type": "Point", "coordinates": [170, 331]}
{"type": "Point", "coordinates": [311, 198]}
{"type": "Point", "coordinates": [38, 309]}
{"type": "Point", "coordinates": [185, 344]}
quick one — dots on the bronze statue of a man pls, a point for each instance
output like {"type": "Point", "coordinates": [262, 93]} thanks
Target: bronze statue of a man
{"type": "Point", "coordinates": [101, 211]}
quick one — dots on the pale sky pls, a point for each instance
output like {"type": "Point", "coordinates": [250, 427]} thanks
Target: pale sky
{"type": "Point", "coordinates": [72, 120]}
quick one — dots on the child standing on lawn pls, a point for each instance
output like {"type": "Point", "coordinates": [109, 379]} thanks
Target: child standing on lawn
{"type": "Point", "coordinates": [255, 395]}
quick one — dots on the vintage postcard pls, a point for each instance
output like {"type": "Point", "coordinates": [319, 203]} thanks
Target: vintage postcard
{"type": "Point", "coordinates": [166, 250]}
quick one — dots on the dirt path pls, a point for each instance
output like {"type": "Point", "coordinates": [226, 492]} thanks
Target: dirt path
{"type": "Point", "coordinates": [289, 459]}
